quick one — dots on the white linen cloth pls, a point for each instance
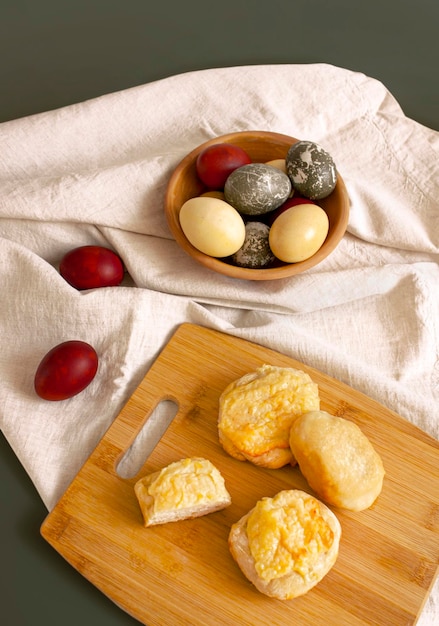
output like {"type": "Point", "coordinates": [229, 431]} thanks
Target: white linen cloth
{"type": "Point", "coordinates": [96, 173]}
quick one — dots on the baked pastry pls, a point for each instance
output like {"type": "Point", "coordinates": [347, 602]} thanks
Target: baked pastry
{"type": "Point", "coordinates": [257, 410]}
{"type": "Point", "coordinates": [337, 459]}
{"type": "Point", "coordinates": [285, 545]}
{"type": "Point", "coordinates": [184, 489]}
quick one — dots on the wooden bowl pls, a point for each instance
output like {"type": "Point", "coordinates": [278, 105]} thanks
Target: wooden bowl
{"type": "Point", "coordinates": [261, 146]}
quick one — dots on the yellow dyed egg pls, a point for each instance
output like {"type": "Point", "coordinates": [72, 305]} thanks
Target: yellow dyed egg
{"type": "Point", "coordinates": [213, 193]}
{"type": "Point", "coordinates": [279, 163]}
{"type": "Point", "coordinates": [212, 226]}
{"type": "Point", "coordinates": [298, 232]}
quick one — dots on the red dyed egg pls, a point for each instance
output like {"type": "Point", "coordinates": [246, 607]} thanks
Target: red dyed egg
{"type": "Point", "coordinates": [215, 163]}
{"type": "Point", "coordinates": [66, 370]}
{"type": "Point", "coordinates": [89, 267]}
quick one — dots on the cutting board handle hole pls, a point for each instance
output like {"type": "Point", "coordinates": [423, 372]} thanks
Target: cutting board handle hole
{"type": "Point", "coordinates": [146, 439]}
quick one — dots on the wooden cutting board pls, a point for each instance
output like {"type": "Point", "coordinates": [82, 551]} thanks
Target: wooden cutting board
{"type": "Point", "coordinates": [182, 573]}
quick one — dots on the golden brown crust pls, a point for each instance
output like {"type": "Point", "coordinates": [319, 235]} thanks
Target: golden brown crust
{"type": "Point", "coordinates": [338, 461]}
{"type": "Point", "coordinates": [185, 489]}
{"type": "Point", "coordinates": [273, 459]}
{"type": "Point", "coordinates": [298, 580]}
{"type": "Point", "coordinates": [257, 410]}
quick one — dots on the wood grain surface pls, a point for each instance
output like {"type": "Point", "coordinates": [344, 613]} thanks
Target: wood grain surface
{"type": "Point", "coordinates": [182, 573]}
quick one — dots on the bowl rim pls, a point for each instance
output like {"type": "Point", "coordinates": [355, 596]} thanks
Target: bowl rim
{"type": "Point", "coordinates": [285, 270]}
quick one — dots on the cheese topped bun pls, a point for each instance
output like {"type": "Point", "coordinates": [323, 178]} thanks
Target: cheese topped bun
{"type": "Point", "coordinates": [285, 545]}
{"type": "Point", "coordinates": [337, 459]}
{"type": "Point", "coordinates": [184, 489]}
{"type": "Point", "coordinates": [256, 413]}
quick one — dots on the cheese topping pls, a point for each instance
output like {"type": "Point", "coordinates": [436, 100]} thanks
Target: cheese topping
{"type": "Point", "coordinates": [186, 483]}
{"type": "Point", "coordinates": [287, 536]}
{"type": "Point", "coordinates": [257, 413]}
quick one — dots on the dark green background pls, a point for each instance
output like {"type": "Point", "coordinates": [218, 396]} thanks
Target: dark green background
{"type": "Point", "coordinates": [56, 53]}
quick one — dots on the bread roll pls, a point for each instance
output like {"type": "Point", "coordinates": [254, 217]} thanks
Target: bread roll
{"type": "Point", "coordinates": [337, 459]}
{"type": "Point", "coordinates": [184, 489]}
{"type": "Point", "coordinates": [285, 545]}
{"type": "Point", "coordinates": [257, 410]}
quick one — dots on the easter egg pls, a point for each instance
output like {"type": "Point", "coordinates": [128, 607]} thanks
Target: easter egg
{"type": "Point", "coordinates": [269, 219]}
{"type": "Point", "coordinates": [216, 162]}
{"type": "Point", "coordinates": [213, 193]}
{"type": "Point", "coordinates": [257, 188]}
{"type": "Point", "coordinates": [298, 232]}
{"type": "Point", "coordinates": [255, 251]}
{"type": "Point", "coordinates": [212, 226]}
{"type": "Point", "coordinates": [311, 170]}
{"type": "Point", "coordinates": [66, 370]}
{"type": "Point", "coordinates": [279, 163]}
{"type": "Point", "coordinates": [89, 267]}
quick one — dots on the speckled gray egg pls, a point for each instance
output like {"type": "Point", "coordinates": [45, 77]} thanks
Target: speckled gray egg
{"type": "Point", "coordinates": [257, 188]}
{"type": "Point", "coordinates": [311, 170]}
{"type": "Point", "coordinates": [255, 252]}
